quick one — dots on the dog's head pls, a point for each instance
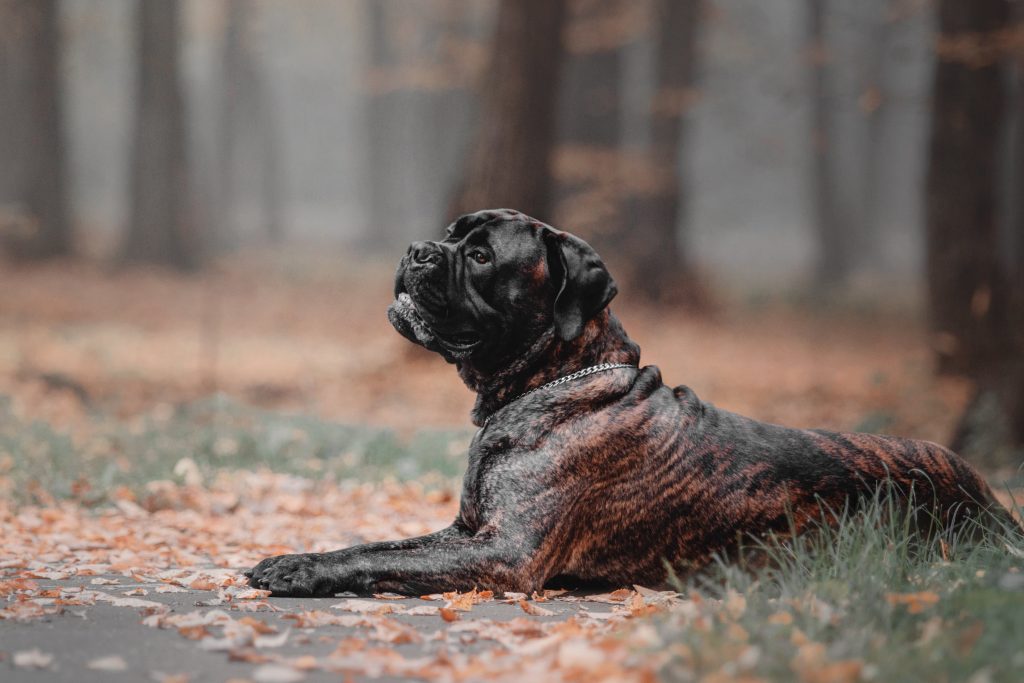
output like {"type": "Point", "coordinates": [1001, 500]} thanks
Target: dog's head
{"type": "Point", "coordinates": [495, 284]}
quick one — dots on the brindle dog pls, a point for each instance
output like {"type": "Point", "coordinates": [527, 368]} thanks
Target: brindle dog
{"type": "Point", "coordinates": [608, 477]}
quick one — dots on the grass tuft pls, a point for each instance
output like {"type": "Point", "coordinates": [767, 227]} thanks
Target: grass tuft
{"type": "Point", "coordinates": [192, 443]}
{"type": "Point", "coordinates": [868, 598]}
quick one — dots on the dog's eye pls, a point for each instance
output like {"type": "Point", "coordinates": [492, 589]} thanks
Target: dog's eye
{"type": "Point", "coordinates": [480, 257]}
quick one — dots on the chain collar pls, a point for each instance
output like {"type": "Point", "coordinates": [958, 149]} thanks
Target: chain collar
{"type": "Point", "coordinates": [561, 380]}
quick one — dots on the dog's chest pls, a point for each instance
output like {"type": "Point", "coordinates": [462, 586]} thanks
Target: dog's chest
{"type": "Point", "coordinates": [502, 477]}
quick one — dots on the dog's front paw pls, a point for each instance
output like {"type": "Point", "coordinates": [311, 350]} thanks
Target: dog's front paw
{"type": "Point", "coordinates": [295, 575]}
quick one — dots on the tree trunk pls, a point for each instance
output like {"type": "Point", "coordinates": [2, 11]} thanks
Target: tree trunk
{"type": "Point", "coordinates": [383, 120]}
{"type": "Point", "coordinates": [589, 127]}
{"type": "Point", "coordinates": [831, 224]}
{"type": "Point", "coordinates": [160, 228]}
{"type": "Point", "coordinates": [421, 109]}
{"type": "Point", "coordinates": [967, 290]}
{"type": "Point", "coordinates": [658, 216]}
{"type": "Point", "coordinates": [33, 186]}
{"type": "Point", "coordinates": [510, 161]}
{"type": "Point", "coordinates": [247, 136]}
{"type": "Point", "coordinates": [876, 104]}
{"type": "Point", "coordinates": [976, 289]}
{"type": "Point", "coordinates": [235, 76]}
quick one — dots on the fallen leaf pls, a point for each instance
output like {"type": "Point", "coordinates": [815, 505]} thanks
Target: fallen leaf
{"type": "Point", "coordinates": [422, 611]}
{"type": "Point", "coordinates": [390, 596]}
{"type": "Point", "coordinates": [255, 606]}
{"type": "Point", "coordinates": [315, 618]}
{"type": "Point", "coordinates": [32, 659]}
{"type": "Point", "coordinates": [914, 602]}
{"type": "Point", "coordinates": [17, 586]}
{"type": "Point", "coordinates": [366, 607]}
{"type": "Point", "coordinates": [257, 625]}
{"type": "Point", "coordinates": [272, 641]}
{"type": "Point", "coordinates": [579, 654]}
{"type": "Point", "coordinates": [274, 673]}
{"type": "Point", "coordinates": [203, 584]}
{"type": "Point", "coordinates": [464, 602]}
{"type": "Point", "coordinates": [448, 614]}
{"type": "Point", "coordinates": [533, 610]}
{"type": "Point", "coordinates": [735, 604]}
{"type": "Point", "coordinates": [615, 597]}
{"type": "Point", "coordinates": [198, 632]}
{"type": "Point", "coordinates": [109, 663]}
{"type": "Point", "coordinates": [161, 677]}
{"type": "Point", "coordinates": [51, 575]}
{"type": "Point", "coordinates": [306, 663]}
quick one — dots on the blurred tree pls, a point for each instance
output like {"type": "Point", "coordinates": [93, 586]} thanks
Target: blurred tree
{"type": "Point", "coordinates": [161, 227]}
{"type": "Point", "coordinates": [589, 128]}
{"type": "Point", "coordinates": [974, 290]}
{"type": "Point", "coordinates": [247, 134]}
{"type": "Point", "coordinates": [383, 119]}
{"type": "Point", "coordinates": [832, 225]}
{"type": "Point", "coordinates": [34, 220]}
{"type": "Point", "coordinates": [658, 208]}
{"type": "Point", "coordinates": [510, 161]}
{"type": "Point", "coordinates": [425, 61]}
{"type": "Point", "coordinates": [875, 102]}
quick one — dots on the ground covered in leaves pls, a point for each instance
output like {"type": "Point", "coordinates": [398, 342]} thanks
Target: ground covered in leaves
{"type": "Point", "coordinates": [149, 586]}
{"type": "Point", "coordinates": [161, 572]}
{"type": "Point", "coordinates": [159, 433]}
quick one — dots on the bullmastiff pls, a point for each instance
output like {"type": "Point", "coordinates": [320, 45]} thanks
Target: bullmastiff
{"type": "Point", "coordinates": [587, 468]}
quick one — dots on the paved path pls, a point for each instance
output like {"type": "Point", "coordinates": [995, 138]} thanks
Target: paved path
{"type": "Point", "coordinates": [135, 637]}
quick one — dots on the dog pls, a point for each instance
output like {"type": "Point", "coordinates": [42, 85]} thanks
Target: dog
{"type": "Point", "coordinates": [587, 469]}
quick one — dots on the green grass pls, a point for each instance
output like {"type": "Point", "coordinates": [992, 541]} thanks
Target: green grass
{"type": "Point", "coordinates": [870, 598]}
{"type": "Point", "coordinates": [216, 434]}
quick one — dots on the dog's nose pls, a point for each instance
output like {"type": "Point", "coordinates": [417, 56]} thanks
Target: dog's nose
{"type": "Point", "coordinates": [424, 252]}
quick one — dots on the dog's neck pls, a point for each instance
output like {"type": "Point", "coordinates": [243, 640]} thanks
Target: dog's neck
{"type": "Point", "coordinates": [603, 340]}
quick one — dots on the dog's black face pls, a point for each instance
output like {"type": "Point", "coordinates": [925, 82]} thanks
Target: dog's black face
{"type": "Point", "coordinates": [496, 283]}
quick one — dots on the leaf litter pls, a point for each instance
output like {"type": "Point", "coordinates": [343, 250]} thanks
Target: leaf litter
{"type": "Point", "coordinates": [125, 555]}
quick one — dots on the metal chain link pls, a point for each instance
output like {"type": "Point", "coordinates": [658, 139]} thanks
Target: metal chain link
{"type": "Point", "coordinates": [562, 380]}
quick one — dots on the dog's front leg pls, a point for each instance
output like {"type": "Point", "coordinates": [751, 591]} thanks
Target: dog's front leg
{"type": "Point", "coordinates": [451, 559]}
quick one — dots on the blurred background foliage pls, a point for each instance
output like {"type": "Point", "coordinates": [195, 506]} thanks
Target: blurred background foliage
{"type": "Point", "coordinates": [814, 208]}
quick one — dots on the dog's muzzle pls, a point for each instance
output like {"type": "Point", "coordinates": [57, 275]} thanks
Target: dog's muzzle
{"type": "Point", "coordinates": [421, 310]}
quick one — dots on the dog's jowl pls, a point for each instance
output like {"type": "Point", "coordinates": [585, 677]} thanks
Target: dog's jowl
{"type": "Point", "coordinates": [587, 465]}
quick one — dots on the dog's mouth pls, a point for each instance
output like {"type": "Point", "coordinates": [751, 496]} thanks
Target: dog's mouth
{"type": "Point", "coordinates": [406, 318]}
{"type": "Point", "coordinates": [460, 341]}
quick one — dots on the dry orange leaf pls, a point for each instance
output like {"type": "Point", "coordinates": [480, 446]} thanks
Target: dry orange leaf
{"type": "Point", "coordinates": [914, 602]}
{"type": "Point", "coordinates": [534, 610]}
{"type": "Point", "coordinates": [617, 596]}
{"type": "Point", "coordinates": [194, 632]}
{"type": "Point", "coordinates": [203, 584]}
{"type": "Point", "coordinates": [464, 602]}
{"type": "Point", "coordinates": [258, 625]}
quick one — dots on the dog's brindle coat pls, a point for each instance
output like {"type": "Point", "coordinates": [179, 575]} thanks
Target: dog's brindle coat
{"type": "Point", "coordinates": [607, 477]}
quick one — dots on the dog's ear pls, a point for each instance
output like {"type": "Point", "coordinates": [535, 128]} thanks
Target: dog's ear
{"type": "Point", "coordinates": [586, 285]}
